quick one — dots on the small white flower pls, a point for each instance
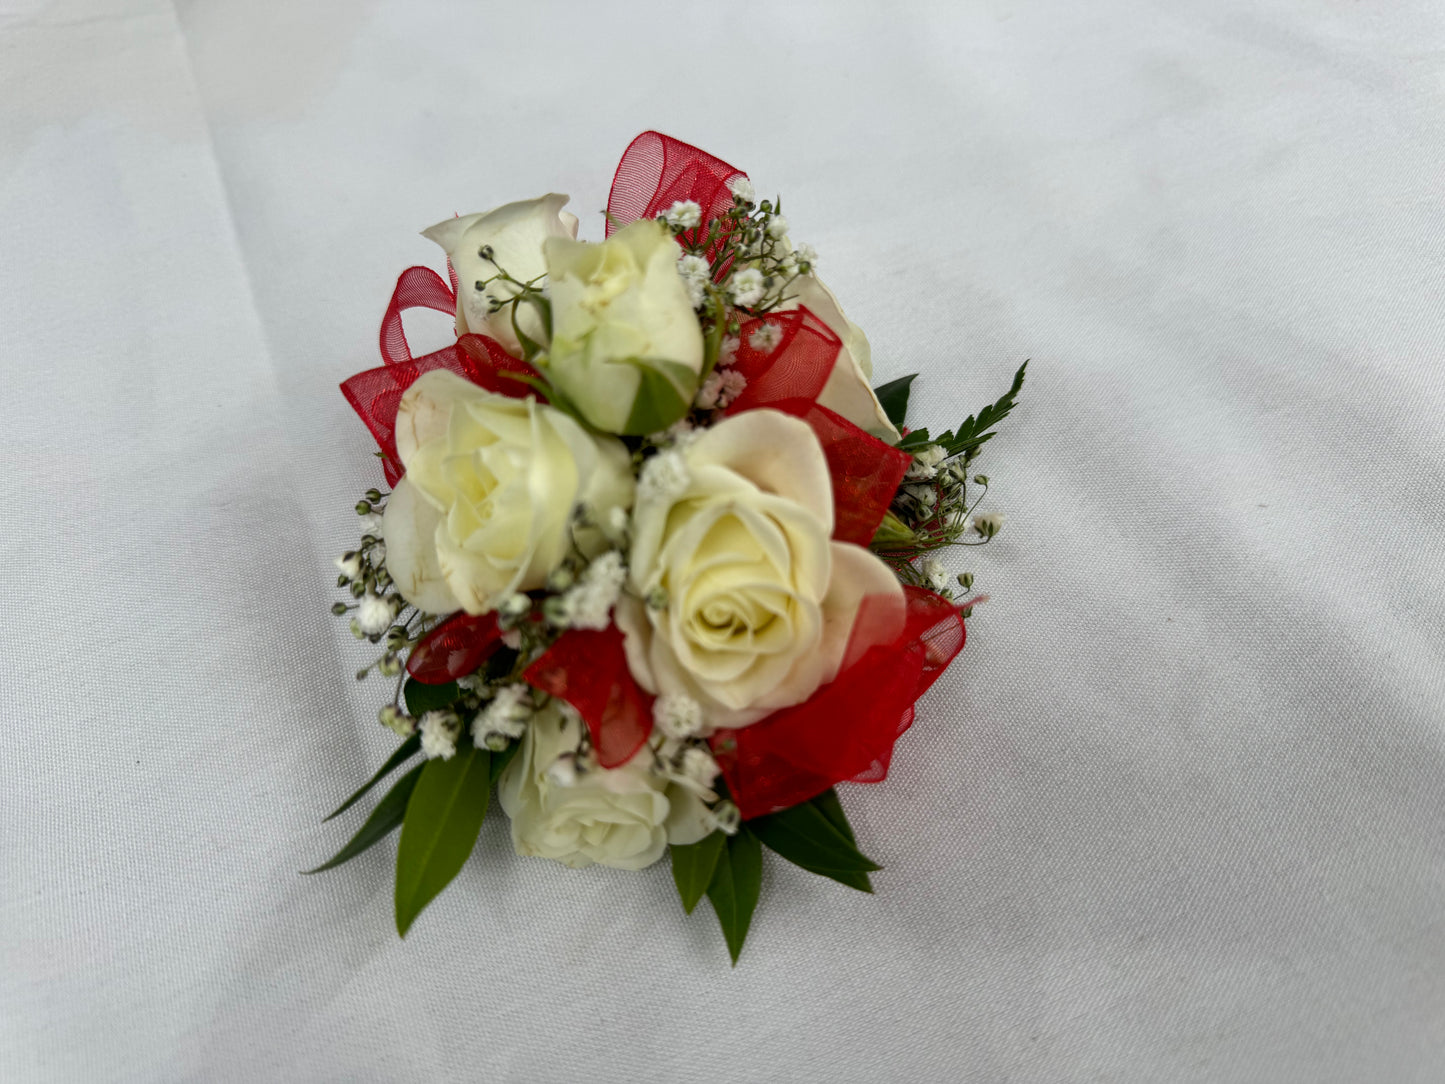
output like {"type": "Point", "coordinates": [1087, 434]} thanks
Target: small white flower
{"type": "Point", "coordinates": [472, 683]}
{"type": "Point", "coordinates": [924, 495]}
{"type": "Point", "coordinates": [747, 287]}
{"type": "Point", "coordinates": [988, 524]}
{"type": "Point", "coordinates": [371, 525]}
{"type": "Point", "coordinates": [696, 274]}
{"type": "Point", "coordinates": [663, 477]}
{"type": "Point", "coordinates": [807, 254]}
{"type": "Point", "coordinates": [684, 214]}
{"type": "Point", "coordinates": [935, 573]}
{"type": "Point", "coordinates": [617, 521]}
{"type": "Point", "coordinates": [374, 613]}
{"type": "Point", "coordinates": [507, 715]}
{"type": "Point", "coordinates": [766, 337]}
{"type": "Point", "coordinates": [515, 605]}
{"type": "Point", "coordinates": [698, 766]}
{"type": "Point", "coordinates": [725, 818]}
{"type": "Point", "coordinates": [439, 731]}
{"type": "Point", "coordinates": [589, 604]}
{"type": "Point", "coordinates": [512, 638]}
{"type": "Point", "coordinates": [397, 721]}
{"type": "Point", "coordinates": [778, 227]}
{"type": "Point", "coordinates": [350, 565]}
{"type": "Point", "coordinates": [925, 463]}
{"type": "Point", "coordinates": [677, 716]}
{"type": "Point", "coordinates": [728, 351]}
{"type": "Point", "coordinates": [742, 189]}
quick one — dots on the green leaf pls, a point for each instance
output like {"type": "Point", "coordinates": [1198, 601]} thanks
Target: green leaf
{"type": "Point", "coordinates": [386, 816]}
{"type": "Point", "coordinates": [443, 819]}
{"type": "Point", "coordinates": [422, 698]}
{"type": "Point", "coordinates": [735, 886]}
{"type": "Point", "coordinates": [665, 391]}
{"type": "Point", "coordinates": [893, 398]}
{"type": "Point", "coordinates": [404, 752]}
{"type": "Point", "coordinates": [916, 438]}
{"type": "Point", "coordinates": [973, 432]}
{"type": "Point", "coordinates": [808, 836]}
{"type": "Point", "coordinates": [693, 865]}
{"type": "Point", "coordinates": [830, 807]}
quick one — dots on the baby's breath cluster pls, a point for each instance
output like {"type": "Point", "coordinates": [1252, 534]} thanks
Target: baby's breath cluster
{"type": "Point", "coordinates": [743, 261]}
{"type": "Point", "coordinates": [934, 508]}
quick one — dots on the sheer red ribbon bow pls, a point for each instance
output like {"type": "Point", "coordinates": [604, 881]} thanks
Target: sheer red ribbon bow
{"type": "Point", "coordinates": [846, 730]}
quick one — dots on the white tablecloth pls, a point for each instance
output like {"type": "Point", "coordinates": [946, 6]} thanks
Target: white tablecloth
{"type": "Point", "coordinates": [1176, 813]}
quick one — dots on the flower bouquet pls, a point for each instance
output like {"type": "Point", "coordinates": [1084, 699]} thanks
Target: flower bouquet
{"type": "Point", "coordinates": [654, 557]}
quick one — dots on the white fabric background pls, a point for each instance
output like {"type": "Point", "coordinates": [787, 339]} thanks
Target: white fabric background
{"type": "Point", "coordinates": [1175, 815]}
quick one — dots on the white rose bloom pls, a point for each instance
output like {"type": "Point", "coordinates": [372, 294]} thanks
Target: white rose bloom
{"type": "Point", "coordinates": [626, 346]}
{"type": "Point", "coordinates": [485, 507]}
{"type": "Point", "coordinates": [760, 601]}
{"type": "Point", "coordinates": [515, 233]}
{"type": "Point", "coordinates": [623, 817]}
{"type": "Point", "coordinates": [847, 392]}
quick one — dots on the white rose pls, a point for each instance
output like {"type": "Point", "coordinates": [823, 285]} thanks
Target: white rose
{"type": "Point", "coordinates": [515, 232]}
{"type": "Point", "coordinates": [760, 602]}
{"type": "Point", "coordinates": [486, 506]}
{"type": "Point", "coordinates": [623, 817]}
{"type": "Point", "coordinates": [848, 391]}
{"type": "Point", "coordinates": [626, 347]}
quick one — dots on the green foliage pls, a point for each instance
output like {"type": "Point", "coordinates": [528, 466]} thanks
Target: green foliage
{"type": "Point", "coordinates": [971, 435]}
{"type": "Point", "coordinates": [404, 752]}
{"type": "Point", "coordinates": [665, 391]}
{"type": "Point", "coordinates": [893, 398]}
{"type": "Point", "coordinates": [422, 698]}
{"type": "Point", "coordinates": [816, 836]}
{"type": "Point", "coordinates": [386, 816]}
{"type": "Point", "coordinates": [736, 883]}
{"type": "Point", "coordinates": [442, 822]}
{"type": "Point", "coordinates": [693, 865]}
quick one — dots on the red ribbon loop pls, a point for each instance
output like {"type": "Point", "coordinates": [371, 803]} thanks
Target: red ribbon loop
{"type": "Point", "coordinates": [589, 670]}
{"type": "Point", "coordinates": [657, 171]}
{"type": "Point", "coordinates": [846, 730]}
{"type": "Point", "coordinates": [416, 288]}
{"type": "Point", "coordinates": [376, 393]}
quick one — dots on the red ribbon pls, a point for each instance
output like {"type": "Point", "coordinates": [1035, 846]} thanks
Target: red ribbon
{"type": "Point", "coordinates": [589, 670]}
{"type": "Point", "coordinates": [846, 731]}
{"type": "Point", "coordinates": [454, 649]}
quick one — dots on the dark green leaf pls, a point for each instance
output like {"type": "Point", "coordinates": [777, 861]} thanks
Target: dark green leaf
{"type": "Point", "coordinates": [386, 816]}
{"type": "Point", "coordinates": [665, 391]}
{"type": "Point", "coordinates": [502, 759]}
{"type": "Point", "coordinates": [893, 398]}
{"type": "Point", "coordinates": [916, 438]}
{"type": "Point", "coordinates": [808, 837]}
{"type": "Point", "coordinates": [421, 698]}
{"type": "Point", "coordinates": [443, 819]}
{"type": "Point", "coordinates": [973, 432]}
{"type": "Point", "coordinates": [830, 807]}
{"type": "Point", "coordinates": [693, 865]}
{"type": "Point", "coordinates": [736, 884]}
{"type": "Point", "coordinates": [404, 752]}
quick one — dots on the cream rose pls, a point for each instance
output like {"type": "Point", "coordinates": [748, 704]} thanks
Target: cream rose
{"type": "Point", "coordinates": [732, 535]}
{"type": "Point", "coordinates": [624, 817]}
{"type": "Point", "coordinates": [626, 346]}
{"type": "Point", "coordinates": [486, 505]}
{"type": "Point", "coordinates": [515, 232]}
{"type": "Point", "coordinates": [848, 391]}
